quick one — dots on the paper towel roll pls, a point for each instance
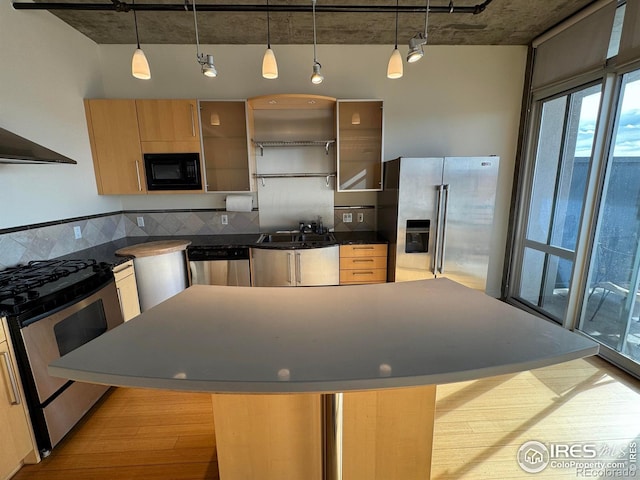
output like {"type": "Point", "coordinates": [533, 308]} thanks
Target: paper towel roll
{"type": "Point", "coordinates": [238, 203]}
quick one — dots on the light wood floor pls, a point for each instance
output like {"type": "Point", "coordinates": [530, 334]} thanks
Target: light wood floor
{"type": "Point", "coordinates": [146, 434]}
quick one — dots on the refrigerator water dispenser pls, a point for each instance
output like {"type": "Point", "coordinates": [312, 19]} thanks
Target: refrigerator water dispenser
{"type": "Point", "coordinates": [417, 240]}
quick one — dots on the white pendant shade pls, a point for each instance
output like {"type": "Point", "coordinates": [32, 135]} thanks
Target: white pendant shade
{"type": "Point", "coordinates": [269, 65]}
{"type": "Point", "coordinates": [140, 66]}
{"type": "Point", "coordinates": [394, 70]}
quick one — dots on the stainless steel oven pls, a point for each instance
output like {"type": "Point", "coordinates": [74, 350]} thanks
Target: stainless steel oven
{"type": "Point", "coordinates": [62, 315]}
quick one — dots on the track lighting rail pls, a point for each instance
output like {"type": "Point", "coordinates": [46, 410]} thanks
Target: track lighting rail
{"type": "Point", "coordinates": [119, 6]}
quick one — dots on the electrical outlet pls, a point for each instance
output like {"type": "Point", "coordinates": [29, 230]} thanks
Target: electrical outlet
{"type": "Point", "coordinates": [360, 217]}
{"type": "Point", "coordinates": [224, 219]}
{"type": "Point", "coordinates": [77, 232]}
{"type": "Point", "coordinates": [347, 217]}
{"type": "Point", "coordinates": [140, 221]}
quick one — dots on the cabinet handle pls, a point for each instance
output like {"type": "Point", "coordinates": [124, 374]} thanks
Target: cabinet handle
{"type": "Point", "coordinates": [193, 123]}
{"type": "Point", "coordinates": [363, 248]}
{"type": "Point", "coordinates": [15, 399]}
{"type": "Point", "coordinates": [138, 175]}
{"type": "Point", "coordinates": [363, 273]}
{"type": "Point", "coordinates": [298, 269]}
{"type": "Point", "coordinates": [126, 267]}
{"type": "Point", "coordinates": [120, 301]}
{"type": "Point", "coordinates": [444, 228]}
{"type": "Point", "coordinates": [289, 268]}
{"type": "Point", "coordinates": [436, 241]}
{"type": "Point", "coordinates": [362, 260]}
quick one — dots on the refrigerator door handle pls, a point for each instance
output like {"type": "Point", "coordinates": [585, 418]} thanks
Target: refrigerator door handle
{"type": "Point", "coordinates": [443, 240]}
{"type": "Point", "coordinates": [436, 240]}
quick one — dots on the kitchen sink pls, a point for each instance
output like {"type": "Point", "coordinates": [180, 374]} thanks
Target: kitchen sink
{"type": "Point", "coordinates": [315, 237]}
{"type": "Point", "coordinates": [277, 238]}
{"type": "Point", "coordinates": [297, 239]}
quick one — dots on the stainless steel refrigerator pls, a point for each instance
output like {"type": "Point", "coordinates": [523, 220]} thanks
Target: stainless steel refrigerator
{"type": "Point", "coordinates": [437, 214]}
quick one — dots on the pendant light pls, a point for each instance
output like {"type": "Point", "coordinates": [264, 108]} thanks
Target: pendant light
{"type": "Point", "coordinates": [416, 50]}
{"type": "Point", "coordinates": [394, 69]}
{"type": "Point", "coordinates": [205, 61]}
{"type": "Point", "coordinates": [269, 64]}
{"type": "Point", "coordinates": [139, 65]}
{"type": "Point", "coordinates": [316, 76]}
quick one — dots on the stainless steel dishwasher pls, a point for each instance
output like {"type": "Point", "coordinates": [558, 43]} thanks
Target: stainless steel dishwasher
{"type": "Point", "coordinates": [215, 265]}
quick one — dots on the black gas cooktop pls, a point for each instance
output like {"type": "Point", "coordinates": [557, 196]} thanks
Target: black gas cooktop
{"type": "Point", "coordinates": [40, 287]}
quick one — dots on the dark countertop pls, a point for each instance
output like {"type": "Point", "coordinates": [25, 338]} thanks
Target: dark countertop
{"type": "Point", "coordinates": [355, 238]}
{"type": "Point", "coordinates": [106, 251]}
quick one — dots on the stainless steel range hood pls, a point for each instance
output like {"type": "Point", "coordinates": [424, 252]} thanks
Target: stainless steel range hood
{"type": "Point", "coordinates": [17, 149]}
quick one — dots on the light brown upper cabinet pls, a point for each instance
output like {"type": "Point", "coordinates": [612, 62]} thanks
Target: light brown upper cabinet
{"type": "Point", "coordinates": [168, 120]}
{"type": "Point", "coordinates": [225, 146]}
{"type": "Point", "coordinates": [360, 134]}
{"type": "Point", "coordinates": [115, 146]}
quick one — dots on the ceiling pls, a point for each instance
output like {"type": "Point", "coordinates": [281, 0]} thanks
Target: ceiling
{"type": "Point", "coordinates": [503, 22]}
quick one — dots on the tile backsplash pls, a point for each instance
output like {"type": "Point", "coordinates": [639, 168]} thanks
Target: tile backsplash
{"type": "Point", "coordinates": [44, 242]}
{"type": "Point", "coordinates": [56, 239]}
{"type": "Point", "coordinates": [190, 222]}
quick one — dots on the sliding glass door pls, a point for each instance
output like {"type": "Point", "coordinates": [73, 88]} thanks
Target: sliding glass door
{"type": "Point", "coordinates": [611, 304]}
{"type": "Point", "coordinates": [559, 179]}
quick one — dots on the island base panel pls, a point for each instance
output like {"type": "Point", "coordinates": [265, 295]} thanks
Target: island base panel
{"type": "Point", "coordinates": [386, 434]}
{"type": "Point", "coordinates": [268, 437]}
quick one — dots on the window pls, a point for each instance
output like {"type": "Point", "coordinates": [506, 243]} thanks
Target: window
{"type": "Point", "coordinates": [575, 256]}
{"type": "Point", "coordinates": [610, 308]}
{"type": "Point", "coordinates": [564, 148]}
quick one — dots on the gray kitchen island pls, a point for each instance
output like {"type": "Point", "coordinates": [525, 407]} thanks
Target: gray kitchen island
{"type": "Point", "coordinates": [322, 382]}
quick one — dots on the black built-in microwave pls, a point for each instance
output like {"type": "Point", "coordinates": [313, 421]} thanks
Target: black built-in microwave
{"type": "Point", "coordinates": [173, 171]}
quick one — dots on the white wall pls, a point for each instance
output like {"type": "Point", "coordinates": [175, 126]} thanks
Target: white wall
{"type": "Point", "coordinates": [457, 100]}
{"type": "Point", "coordinates": [46, 69]}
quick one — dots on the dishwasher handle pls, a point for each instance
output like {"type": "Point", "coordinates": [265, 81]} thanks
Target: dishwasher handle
{"type": "Point", "coordinates": [215, 253]}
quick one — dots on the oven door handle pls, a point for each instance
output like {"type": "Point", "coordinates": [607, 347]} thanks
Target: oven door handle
{"type": "Point", "coordinates": [15, 399]}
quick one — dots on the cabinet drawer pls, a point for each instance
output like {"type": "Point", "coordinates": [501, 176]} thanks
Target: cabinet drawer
{"type": "Point", "coordinates": [373, 250]}
{"type": "Point", "coordinates": [123, 270]}
{"type": "Point", "coordinates": [362, 263]}
{"type": "Point", "coordinates": [364, 275]}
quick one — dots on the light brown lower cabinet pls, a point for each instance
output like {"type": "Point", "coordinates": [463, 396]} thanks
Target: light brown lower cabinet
{"type": "Point", "coordinates": [361, 264]}
{"type": "Point", "coordinates": [17, 444]}
{"type": "Point", "coordinates": [387, 434]}
{"type": "Point", "coordinates": [127, 290]}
